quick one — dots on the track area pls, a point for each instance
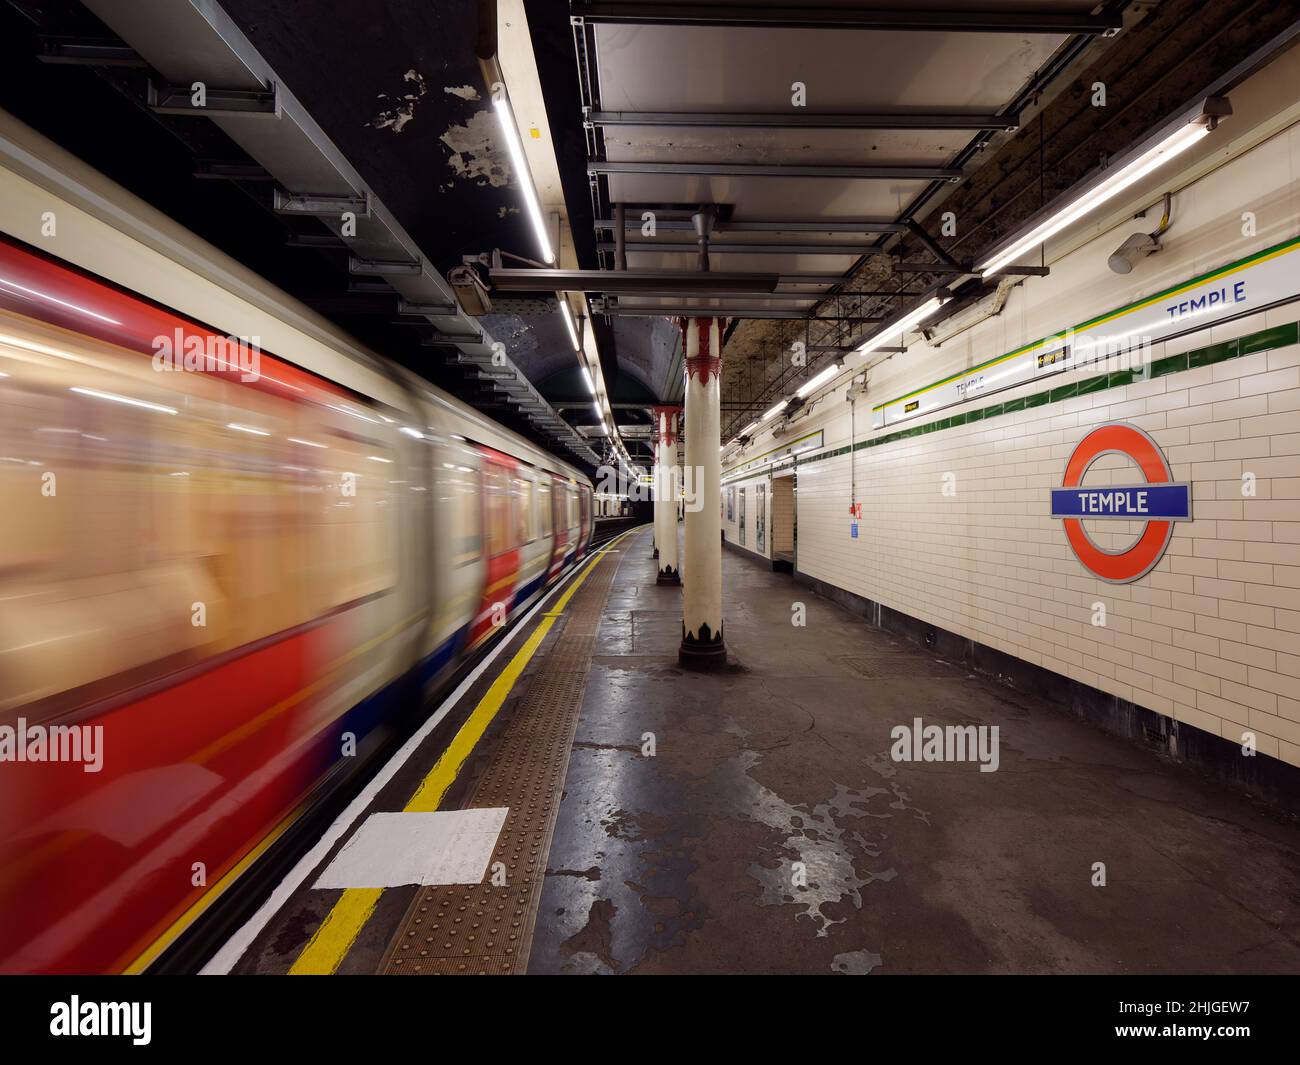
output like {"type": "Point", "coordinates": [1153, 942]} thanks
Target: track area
{"type": "Point", "coordinates": [446, 766]}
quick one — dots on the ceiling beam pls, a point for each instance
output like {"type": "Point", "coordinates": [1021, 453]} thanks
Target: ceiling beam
{"type": "Point", "coordinates": [670, 311]}
{"type": "Point", "coordinates": [859, 18]}
{"type": "Point", "coordinates": [918, 120]}
{"type": "Point", "coordinates": [680, 282]}
{"type": "Point", "coordinates": [866, 173]}
{"type": "Point", "coordinates": [633, 223]}
{"type": "Point", "coordinates": [807, 297]}
{"type": "Point", "coordinates": [722, 247]}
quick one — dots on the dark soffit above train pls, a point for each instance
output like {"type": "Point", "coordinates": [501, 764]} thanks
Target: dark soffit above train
{"type": "Point", "coordinates": [396, 85]}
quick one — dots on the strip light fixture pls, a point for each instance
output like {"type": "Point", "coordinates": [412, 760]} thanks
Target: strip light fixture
{"type": "Point", "coordinates": [774, 411]}
{"type": "Point", "coordinates": [568, 320]}
{"type": "Point", "coordinates": [1164, 147]}
{"type": "Point", "coordinates": [912, 318]}
{"type": "Point", "coordinates": [817, 380]}
{"type": "Point", "coordinates": [505, 115]}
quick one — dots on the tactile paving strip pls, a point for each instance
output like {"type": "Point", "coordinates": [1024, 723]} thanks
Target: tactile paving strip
{"type": "Point", "coordinates": [481, 928]}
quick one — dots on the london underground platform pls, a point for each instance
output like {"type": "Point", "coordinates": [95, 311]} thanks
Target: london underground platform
{"type": "Point", "coordinates": [838, 800]}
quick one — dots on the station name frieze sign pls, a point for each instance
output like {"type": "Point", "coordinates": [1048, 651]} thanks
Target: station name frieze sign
{"type": "Point", "coordinates": [1259, 281]}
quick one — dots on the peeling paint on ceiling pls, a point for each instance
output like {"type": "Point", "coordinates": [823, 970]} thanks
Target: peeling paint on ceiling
{"type": "Point", "coordinates": [476, 154]}
{"type": "Point", "coordinates": [465, 92]}
{"type": "Point", "coordinates": [395, 118]}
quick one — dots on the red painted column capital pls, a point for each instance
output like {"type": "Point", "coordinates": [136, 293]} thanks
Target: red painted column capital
{"type": "Point", "coordinates": [667, 424]}
{"type": "Point", "coordinates": [702, 341]}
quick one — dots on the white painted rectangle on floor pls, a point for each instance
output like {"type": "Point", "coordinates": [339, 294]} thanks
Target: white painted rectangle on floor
{"type": "Point", "coordinates": [429, 849]}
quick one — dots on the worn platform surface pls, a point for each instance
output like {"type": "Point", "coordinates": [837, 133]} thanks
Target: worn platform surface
{"type": "Point", "coordinates": [686, 861]}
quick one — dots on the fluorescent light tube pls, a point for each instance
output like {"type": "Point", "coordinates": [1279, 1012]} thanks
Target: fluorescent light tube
{"type": "Point", "coordinates": [774, 411]}
{"type": "Point", "coordinates": [898, 328]}
{"type": "Point", "coordinates": [813, 383]}
{"type": "Point", "coordinates": [524, 176]}
{"type": "Point", "coordinates": [568, 320]}
{"type": "Point", "coordinates": [1176, 143]}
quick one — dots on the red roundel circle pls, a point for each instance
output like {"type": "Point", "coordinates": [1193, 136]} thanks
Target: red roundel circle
{"type": "Point", "coordinates": [1128, 565]}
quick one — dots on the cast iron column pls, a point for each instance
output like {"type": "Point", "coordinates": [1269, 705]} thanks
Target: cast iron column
{"type": "Point", "coordinates": [702, 646]}
{"type": "Point", "coordinates": [666, 491]}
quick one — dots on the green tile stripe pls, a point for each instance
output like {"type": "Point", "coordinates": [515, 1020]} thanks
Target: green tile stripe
{"type": "Point", "coordinates": [1155, 297]}
{"type": "Point", "coordinates": [1265, 340]}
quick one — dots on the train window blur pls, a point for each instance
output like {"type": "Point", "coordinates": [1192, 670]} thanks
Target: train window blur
{"type": "Point", "coordinates": [497, 505]}
{"type": "Point", "coordinates": [462, 492]}
{"type": "Point", "coordinates": [524, 502]}
{"type": "Point", "coordinates": [166, 491]}
{"type": "Point", "coordinates": [544, 523]}
{"type": "Point", "coordinates": [353, 517]}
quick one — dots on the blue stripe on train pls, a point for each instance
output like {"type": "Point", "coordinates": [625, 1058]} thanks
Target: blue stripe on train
{"type": "Point", "coordinates": [441, 657]}
{"type": "Point", "coordinates": [528, 590]}
{"type": "Point", "coordinates": [387, 702]}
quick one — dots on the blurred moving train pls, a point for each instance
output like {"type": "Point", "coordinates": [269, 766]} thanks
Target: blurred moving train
{"type": "Point", "coordinates": [218, 589]}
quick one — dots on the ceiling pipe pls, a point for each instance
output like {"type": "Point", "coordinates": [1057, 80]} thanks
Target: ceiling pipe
{"type": "Point", "coordinates": [702, 220]}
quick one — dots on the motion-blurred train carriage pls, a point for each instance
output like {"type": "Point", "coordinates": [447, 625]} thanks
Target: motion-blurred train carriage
{"type": "Point", "coordinates": [244, 578]}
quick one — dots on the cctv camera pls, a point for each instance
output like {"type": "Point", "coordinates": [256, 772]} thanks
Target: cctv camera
{"type": "Point", "coordinates": [1134, 248]}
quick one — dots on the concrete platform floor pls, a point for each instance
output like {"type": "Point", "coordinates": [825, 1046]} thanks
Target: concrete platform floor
{"type": "Point", "coordinates": [684, 861]}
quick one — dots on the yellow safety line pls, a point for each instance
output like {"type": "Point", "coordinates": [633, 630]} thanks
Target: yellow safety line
{"type": "Point", "coordinates": [327, 948]}
{"type": "Point", "coordinates": [443, 774]}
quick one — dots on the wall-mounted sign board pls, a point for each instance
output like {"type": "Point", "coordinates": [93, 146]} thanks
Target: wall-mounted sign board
{"type": "Point", "coordinates": [1269, 277]}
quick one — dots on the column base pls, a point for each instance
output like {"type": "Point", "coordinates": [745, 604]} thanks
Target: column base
{"type": "Point", "coordinates": [704, 653]}
{"type": "Point", "coordinates": [668, 576]}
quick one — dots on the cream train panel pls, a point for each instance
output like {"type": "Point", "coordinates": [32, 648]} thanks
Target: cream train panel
{"type": "Point", "coordinates": [243, 582]}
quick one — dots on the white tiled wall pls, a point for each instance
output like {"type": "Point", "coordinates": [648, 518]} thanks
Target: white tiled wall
{"type": "Point", "coordinates": [1211, 636]}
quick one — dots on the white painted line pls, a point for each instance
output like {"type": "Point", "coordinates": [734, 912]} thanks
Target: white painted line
{"type": "Point", "coordinates": [234, 948]}
{"type": "Point", "coordinates": [428, 849]}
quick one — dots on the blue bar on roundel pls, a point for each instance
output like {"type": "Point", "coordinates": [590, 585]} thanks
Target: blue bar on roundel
{"type": "Point", "coordinates": [1167, 502]}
